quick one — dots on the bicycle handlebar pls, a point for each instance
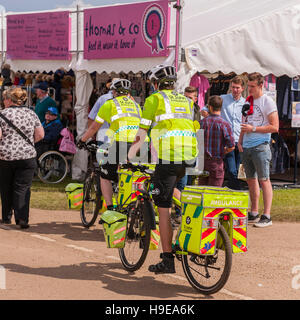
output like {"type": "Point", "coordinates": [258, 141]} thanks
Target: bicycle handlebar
{"type": "Point", "coordinates": [137, 167]}
{"type": "Point", "coordinates": [92, 147]}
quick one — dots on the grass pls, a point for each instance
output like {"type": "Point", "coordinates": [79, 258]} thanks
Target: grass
{"type": "Point", "coordinates": [49, 196]}
{"type": "Point", "coordinates": [285, 207]}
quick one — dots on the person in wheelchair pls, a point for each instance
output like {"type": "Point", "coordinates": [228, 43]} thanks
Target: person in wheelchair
{"type": "Point", "coordinates": [52, 127]}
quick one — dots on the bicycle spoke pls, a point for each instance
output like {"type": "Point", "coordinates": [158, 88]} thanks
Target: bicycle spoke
{"type": "Point", "coordinates": [137, 242]}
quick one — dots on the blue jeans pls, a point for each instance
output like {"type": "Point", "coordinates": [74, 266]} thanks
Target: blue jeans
{"type": "Point", "coordinates": [232, 162]}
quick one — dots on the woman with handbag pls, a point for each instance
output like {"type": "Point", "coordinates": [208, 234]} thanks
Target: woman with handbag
{"type": "Point", "coordinates": [20, 128]}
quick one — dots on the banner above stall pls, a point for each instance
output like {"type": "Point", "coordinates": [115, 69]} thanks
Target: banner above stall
{"type": "Point", "coordinates": [38, 36]}
{"type": "Point", "coordinates": [127, 31]}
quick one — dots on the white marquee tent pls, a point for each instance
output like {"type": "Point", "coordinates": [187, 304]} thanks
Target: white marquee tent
{"type": "Point", "coordinates": [228, 35]}
{"type": "Point", "coordinates": [241, 36]}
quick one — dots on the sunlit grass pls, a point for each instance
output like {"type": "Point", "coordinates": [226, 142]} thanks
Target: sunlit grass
{"type": "Point", "coordinates": [285, 206]}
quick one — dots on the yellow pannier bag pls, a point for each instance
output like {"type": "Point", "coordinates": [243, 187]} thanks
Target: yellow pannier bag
{"type": "Point", "coordinates": [155, 236]}
{"type": "Point", "coordinates": [127, 179]}
{"type": "Point", "coordinates": [202, 208]}
{"type": "Point", "coordinates": [114, 225]}
{"type": "Point", "coordinates": [74, 193]}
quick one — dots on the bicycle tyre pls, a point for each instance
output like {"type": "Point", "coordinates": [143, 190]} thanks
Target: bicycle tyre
{"type": "Point", "coordinates": [91, 203]}
{"type": "Point", "coordinates": [137, 241]}
{"type": "Point", "coordinates": [188, 267]}
{"type": "Point", "coordinates": [53, 167]}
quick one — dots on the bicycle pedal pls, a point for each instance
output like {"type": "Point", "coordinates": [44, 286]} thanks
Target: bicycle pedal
{"type": "Point", "coordinates": [176, 248]}
{"type": "Point", "coordinates": [181, 253]}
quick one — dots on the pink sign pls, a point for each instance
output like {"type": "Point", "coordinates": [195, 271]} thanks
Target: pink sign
{"type": "Point", "coordinates": [38, 36]}
{"type": "Point", "coordinates": [127, 31]}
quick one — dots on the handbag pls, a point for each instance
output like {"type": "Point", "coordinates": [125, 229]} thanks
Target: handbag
{"type": "Point", "coordinates": [17, 130]}
{"type": "Point", "coordinates": [67, 143]}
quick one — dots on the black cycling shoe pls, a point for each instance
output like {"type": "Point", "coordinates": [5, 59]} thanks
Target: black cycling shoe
{"type": "Point", "coordinates": [165, 266]}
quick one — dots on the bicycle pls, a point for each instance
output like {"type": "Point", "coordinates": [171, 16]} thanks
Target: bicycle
{"type": "Point", "coordinates": [138, 223]}
{"type": "Point", "coordinates": [213, 270]}
{"type": "Point", "coordinates": [53, 166]}
{"type": "Point", "coordinates": [196, 267]}
{"type": "Point", "coordinates": [92, 196]}
{"type": "Point", "coordinates": [93, 200]}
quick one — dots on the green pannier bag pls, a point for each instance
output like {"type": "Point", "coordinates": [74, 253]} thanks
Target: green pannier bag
{"type": "Point", "coordinates": [114, 225]}
{"type": "Point", "coordinates": [154, 235]}
{"type": "Point", "coordinates": [74, 193]}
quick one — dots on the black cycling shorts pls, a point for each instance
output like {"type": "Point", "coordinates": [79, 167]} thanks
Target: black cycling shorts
{"type": "Point", "coordinates": [117, 153]}
{"type": "Point", "coordinates": [165, 178]}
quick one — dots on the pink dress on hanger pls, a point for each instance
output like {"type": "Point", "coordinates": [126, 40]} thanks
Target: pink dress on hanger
{"type": "Point", "coordinates": [200, 82]}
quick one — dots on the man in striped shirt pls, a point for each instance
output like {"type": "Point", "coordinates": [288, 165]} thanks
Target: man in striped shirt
{"type": "Point", "coordinates": [218, 141]}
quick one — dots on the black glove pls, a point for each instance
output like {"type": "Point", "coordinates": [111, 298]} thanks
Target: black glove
{"type": "Point", "coordinates": [80, 144]}
{"type": "Point", "coordinates": [91, 142]}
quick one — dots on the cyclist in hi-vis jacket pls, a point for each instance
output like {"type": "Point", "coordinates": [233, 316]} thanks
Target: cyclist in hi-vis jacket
{"type": "Point", "coordinates": [173, 135]}
{"type": "Point", "coordinates": [123, 115]}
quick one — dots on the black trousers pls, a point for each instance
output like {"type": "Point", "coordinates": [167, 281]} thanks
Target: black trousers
{"type": "Point", "coordinates": [15, 183]}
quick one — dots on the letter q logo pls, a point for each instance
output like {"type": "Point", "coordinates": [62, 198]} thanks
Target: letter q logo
{"type": "Point", "coordinates": [296, 278]}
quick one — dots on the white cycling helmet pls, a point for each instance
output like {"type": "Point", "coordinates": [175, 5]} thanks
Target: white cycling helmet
{"type": "Point", "coordinates": [120, 85]}
{"type": "Point", "coordinates": [162, 73]}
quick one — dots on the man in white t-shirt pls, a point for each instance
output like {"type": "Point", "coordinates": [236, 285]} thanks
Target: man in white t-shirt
{"type": "Point", "coordinates": [257, 125]}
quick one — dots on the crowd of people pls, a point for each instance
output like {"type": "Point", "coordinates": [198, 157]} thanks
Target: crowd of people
{"type": "Point", "coordinates": [232, 127]}
{"type": "Point", "coordinates": [59, 85]}
{"type": "Point", "coordinates": [236, 130]}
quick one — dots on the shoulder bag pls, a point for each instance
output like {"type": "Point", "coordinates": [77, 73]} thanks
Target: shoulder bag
{"type": "Point", "coordinates": [17, 129]}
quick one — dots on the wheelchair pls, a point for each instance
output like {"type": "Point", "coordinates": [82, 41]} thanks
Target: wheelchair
{"type": "Point", "coordinates": [53, 165]}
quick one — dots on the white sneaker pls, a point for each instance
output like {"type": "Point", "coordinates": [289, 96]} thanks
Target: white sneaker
{"type": "Point", "coordinates": [264, 221]}
{"type": "Point", "coordinates": [252, 218]}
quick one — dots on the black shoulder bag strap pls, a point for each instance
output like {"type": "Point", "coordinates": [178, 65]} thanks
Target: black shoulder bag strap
{"type": "Point", "coordinates": [17, 129]}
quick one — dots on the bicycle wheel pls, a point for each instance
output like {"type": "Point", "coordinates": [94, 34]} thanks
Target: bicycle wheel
{"type": "Point", "coordinates": [92, 202]}
{"type": "Point", "coordinates": [137, 241]}
{"type": "Point", "coordinates": [208, 274]}
{"type": "Point", "coordinates": [53, 167]}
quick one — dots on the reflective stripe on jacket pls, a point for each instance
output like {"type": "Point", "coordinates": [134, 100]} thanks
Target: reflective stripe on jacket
{"type": "Point", "coordinates": [124, 119]}
{"type": "Point", "coordinates": [173, 133]}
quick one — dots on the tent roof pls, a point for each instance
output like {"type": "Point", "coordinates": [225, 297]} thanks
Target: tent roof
{"type": "Point", "coordinates": [242, 36]}
{"type": "Point", "coordinates": [99, 65]}
{"type": "Point", "coordinates": [228, 35]}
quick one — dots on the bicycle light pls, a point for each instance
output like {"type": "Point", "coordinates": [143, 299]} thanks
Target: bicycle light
{"type": "Point", "coordinates": [239, 222]}
{"type": "Point", "coordinates": [210, 223]}
{"type": "Point", "coordinates": [136, 186]}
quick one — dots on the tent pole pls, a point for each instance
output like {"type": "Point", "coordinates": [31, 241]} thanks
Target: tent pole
{"type": "Point", "coordinates": [77, 58]}
{"type": "Point", "coordinates": [178, 8]}
{"type": "Point", "coordinates": [77, 32]}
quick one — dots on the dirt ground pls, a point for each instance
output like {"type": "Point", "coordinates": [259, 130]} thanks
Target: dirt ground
{"type": "Point", "coordinates": [57, 258]}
